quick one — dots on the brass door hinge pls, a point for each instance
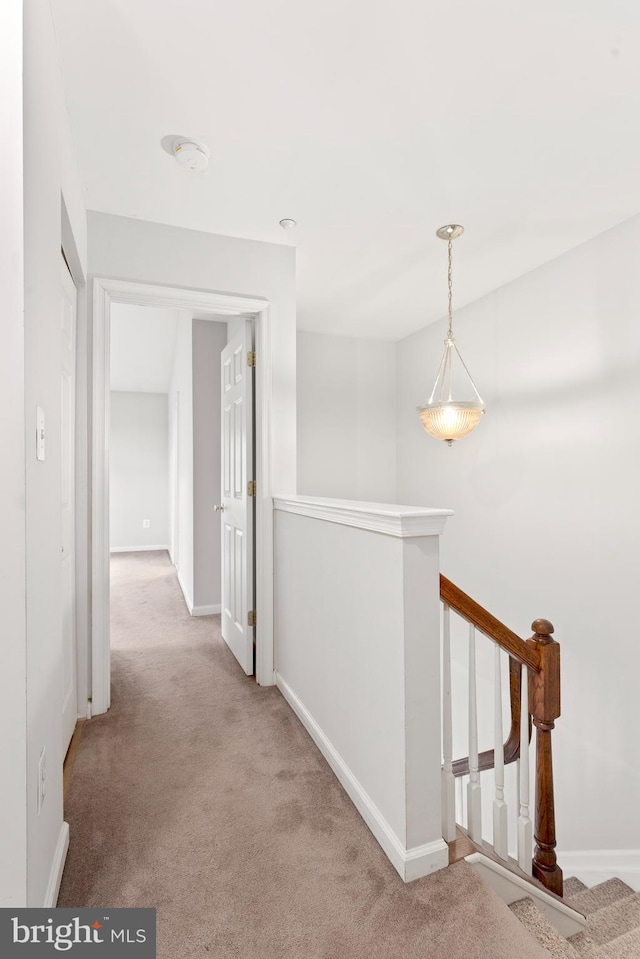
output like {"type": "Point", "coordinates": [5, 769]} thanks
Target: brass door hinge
{"type": "Point", "coordinates": [252, 617]}
{"type": "Point", "coordinates": [251, 358]}
{"type": "Point", "coordinates": [251, 488]}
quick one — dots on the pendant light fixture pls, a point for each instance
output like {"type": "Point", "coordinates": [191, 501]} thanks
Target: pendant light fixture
{"type": "Point", "coordinates": [452, 411]}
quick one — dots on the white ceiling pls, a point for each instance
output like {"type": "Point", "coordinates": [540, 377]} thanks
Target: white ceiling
{"type": "Point", "coordinates": [143, 340]}
{"type": "Point", "coordinates": [370, 122]}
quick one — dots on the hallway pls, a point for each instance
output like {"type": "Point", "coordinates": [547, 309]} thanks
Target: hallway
{"type": "Point", "coordinates": [201, 794]}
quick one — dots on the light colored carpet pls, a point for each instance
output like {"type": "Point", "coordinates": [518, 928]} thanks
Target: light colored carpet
{"type": "Point", "coordinates": [201, 794]}
{"type": "Point", "coordinates": [613, 922]}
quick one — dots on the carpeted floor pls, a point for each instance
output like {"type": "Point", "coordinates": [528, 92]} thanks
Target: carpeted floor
{"type": "Point", "coordinates": [201, 794]}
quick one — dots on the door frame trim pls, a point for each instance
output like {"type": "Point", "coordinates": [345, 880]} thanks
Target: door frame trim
{"type": "Point", "coordinates": [105, 292]}
{"type": "Point", "coordinates": [67, 278]}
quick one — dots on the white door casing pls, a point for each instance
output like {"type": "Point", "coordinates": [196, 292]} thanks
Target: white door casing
{"type": "Point", "coordinates": [67, 506]}
{"type": "Point", "coordinates": [237, 512]}
{"type": "Point", "coordinates": [105, 291]}
{"type": "Point", "coordinates": [175, 483]}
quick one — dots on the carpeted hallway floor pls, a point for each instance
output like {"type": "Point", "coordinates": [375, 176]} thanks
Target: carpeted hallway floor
{"type": "Point", "coordinates": [201, 794]}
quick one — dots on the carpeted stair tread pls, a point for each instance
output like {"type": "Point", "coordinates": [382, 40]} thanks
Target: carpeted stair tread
{"type": "Point", "coordinates": [573, 887]}
{"type": "Point", "coordinates": [624, 947]}
{"type": "Point", "coordinates": [541, 929]}
{"type": "Point", "coordinates": [611, 922]}
{"type": "Point", "coordinates": [598, 897]}
{"type": "Point", "coordinates": [584, 947]}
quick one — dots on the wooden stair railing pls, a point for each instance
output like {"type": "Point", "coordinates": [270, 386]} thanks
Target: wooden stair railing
{"type": "Point", "coordinates": [511, 748]}
{"type": "Point", "coordinates": [540, 655]}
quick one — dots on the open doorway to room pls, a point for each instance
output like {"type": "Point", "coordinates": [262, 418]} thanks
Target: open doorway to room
{"type": "Point", "coordinates": [167, 442]}
{"type": "Point", "coordinates": [165, 468]}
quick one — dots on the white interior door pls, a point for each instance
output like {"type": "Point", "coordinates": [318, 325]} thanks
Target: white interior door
{"type": "Point", "coordinates": [67, 560]}
{"type": "Point", "coordinates": [237, 505]}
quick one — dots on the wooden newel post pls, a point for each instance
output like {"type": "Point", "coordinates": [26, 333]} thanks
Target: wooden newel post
{"type": "Point", "coordinates": [544, 706]}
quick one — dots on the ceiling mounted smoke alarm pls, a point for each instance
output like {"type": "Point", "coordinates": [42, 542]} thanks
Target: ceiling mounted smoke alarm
{"type": "Point", "coordinates": [191, 154]}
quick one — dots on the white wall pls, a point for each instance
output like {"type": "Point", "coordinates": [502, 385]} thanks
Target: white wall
{"type": "Point", "coordinates": [346, 393]}
{"type": "Point", "coordinates": [195, 452]}
{"type": "Point", "coordinates": [138, 470]}
{"type": "Point", "coordinates": [181, 391]}
{"type": "Point", "coordinates": [156, 253]}
{"type": "Point", "coordinates": [209, 339]}
{"type": "Point", "coordinates": [357, 656]}
{"type": "Point", "coordinates": [141, 342]}
{"type": "Point", "coordinates": [13, 706]}
{"type": "Point", "coordinates": [49, 174]}
{"type": "Point", "coordinates": [545, 494]}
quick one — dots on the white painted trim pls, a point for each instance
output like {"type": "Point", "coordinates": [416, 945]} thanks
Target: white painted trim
{"type": "Point", "coordinates": [510, 887]}
{"type": "Point", "coordinates": [57, 867]}
{"type": "Point", "coordinates": [409, 863]}
{"type": "Point", "coordinates": [140, 549]}
{"type": "Point", "coordinates": [168, 297]}
{"type": "Point", "coordinates": [263, 528]}
{"type": "Point", "coordinates": [206, 610]}
{"type": "Point", "coordinates": [105, 292]}
{"type": "Point", "coordinates": [82, 526]}
{"type": "Point", "coordinates": [402, 521]}
{"type": "Point", "coordinates": [595, 865]}
{"type": "Point", "coordinates": [185, 593]}
{"type": "Point", "coordinates": [100, 640]}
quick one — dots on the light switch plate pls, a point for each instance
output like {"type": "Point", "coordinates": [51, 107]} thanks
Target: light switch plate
{"type": "Point", "coordinates": [39, 433]}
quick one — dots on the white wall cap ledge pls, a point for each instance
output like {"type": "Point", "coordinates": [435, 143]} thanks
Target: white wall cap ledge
{"type": "Point", "coordinates": [388, 518]}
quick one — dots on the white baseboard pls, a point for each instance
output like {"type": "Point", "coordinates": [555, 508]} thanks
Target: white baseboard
{"type": "Point", "coordinates": [595, 865]}
{"type": "Point", "coordinates": [409, 863]}
{"type": "Point", "coordinates": [196, 610]}
{"type": "Point", "coordinates": [138, 549]}
{"type": "Point", "coordinates": [57, 867]}
{"type": "Point", "coordinates": [206, 610]}
{"type": "Point", "coordinates": [510, 887]}
{"type": "Point", "coordinates": [185, 593]}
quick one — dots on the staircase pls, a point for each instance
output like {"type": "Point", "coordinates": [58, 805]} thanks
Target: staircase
{"type": "Point", "coordinates": [613, 922]}
{"type": "Point", "coordinates": [534, 701]}
{"type": "Point", "coordinates": [569, 920]}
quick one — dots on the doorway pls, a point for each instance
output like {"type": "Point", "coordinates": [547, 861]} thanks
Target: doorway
{"type": "Point", "coordinates": [106, 293]}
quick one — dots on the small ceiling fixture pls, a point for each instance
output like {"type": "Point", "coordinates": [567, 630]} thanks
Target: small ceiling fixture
{"type": "Point", "coordinates": [287, 223]}
{"type": "Point", "coordinates": [443, 416]}
{"type": "Point", "coordinates": [189, 153]}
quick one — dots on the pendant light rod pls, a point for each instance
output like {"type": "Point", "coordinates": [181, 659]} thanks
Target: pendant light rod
{"type": "Point", "coordinates": [450, 284]}
{"type": "Point", "coordinates": [450, 233]}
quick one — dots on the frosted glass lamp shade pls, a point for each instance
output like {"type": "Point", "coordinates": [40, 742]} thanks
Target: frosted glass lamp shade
{"type": "Point", "coordinates": [451, 420]}
{"type": "Point", "coordinates": [442, 416]}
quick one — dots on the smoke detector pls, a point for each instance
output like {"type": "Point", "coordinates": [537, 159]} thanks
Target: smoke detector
{"type": "Point", "coordinates": [189, 153]}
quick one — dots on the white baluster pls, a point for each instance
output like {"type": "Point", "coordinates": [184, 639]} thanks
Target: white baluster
{"type": "Point", "coordinates": [448, 780]}
{"type": "Point", "coordinates": [474, 793]}
{"type": "Point", "coordinates": [500, 839]}
{"type": "Point", "coordinates": [460, 817]}
{"type": "Point", "coordinates": [525, 828]}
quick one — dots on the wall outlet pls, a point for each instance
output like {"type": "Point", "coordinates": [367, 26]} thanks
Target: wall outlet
{"type": "Point", "coordinates": [146, 524]}
{"type": "Point", "coordinates": [42, 778]}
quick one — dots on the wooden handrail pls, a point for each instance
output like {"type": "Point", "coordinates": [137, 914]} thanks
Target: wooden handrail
{"type": "Point", "coordinates": [477, 615]}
